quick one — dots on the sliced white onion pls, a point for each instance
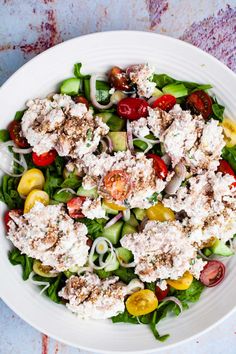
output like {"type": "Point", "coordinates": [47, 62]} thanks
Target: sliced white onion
{"type": "Point", "coordinates": [46, 284]}
{"type": "Point", "coordinates": [129, 136]}
{"type": "Point", "coordinates": [92, 251]}
{"type": "Point", "coordinates": [126, 214]}
{"type": "Point", "coordinates": [4, 151]}
{"type": "Point", "coordinates": [104, 146]}
{"type": "Point", "coordinates": [123, 264]}
{"type": "Point", "coordinates": [114, 220]}
{"type": "Point", "coordinates": [175, 300]}
{"type": "Point", "coordinates": [177, 179]}
{"type": "Point", "coordinates": [133, 286]}
{"type": "Point", "coordinates": [166, 158]}
{"type": "Point", "coordinates": [151, 100]}
{"type": "Point", "coordinates": [109, 143]}
{"type": "Point", "coordinates": [83, 269]}
{"type": "Point", "coordinates": [101, 247]}
{"type": "Point", "coordinates": [93, 98]}
{"type": "Point", "coordinates": [22, 151]}
{"type": "Point", "coordinates": [69, 190]}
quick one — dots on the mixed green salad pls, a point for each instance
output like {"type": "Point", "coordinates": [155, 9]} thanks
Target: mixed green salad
{"type": "Point", "coordinates": [119, 180]}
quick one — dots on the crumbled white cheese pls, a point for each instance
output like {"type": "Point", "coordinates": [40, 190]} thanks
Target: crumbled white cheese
{"type": "Point", "coordinates": [90, 297]}
{"type": "Point", "coordinates": [143, 180]}
{"type": "Point", "coordinates": [89, 182]}
{"type": "Point", "coordinates": [161, 251]}
{"type": "Point", "coordinates": [140, 75]}
{"type": "Point", "coordinates": [158, 121]}
{"type": "Point", "coordinates": [48, 233]}
{"type": "Point", "coordinates": [62, 124]}
{"type": "Point", "coordinates": [139, 127]}
{"type": "Point", "coordinates": [92, 208]}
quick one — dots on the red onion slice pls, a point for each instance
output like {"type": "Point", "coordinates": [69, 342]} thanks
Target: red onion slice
{"type": "Point", "coordinates": [129, 137]}
{"type": "Point", "coordinates": [177, 179]}
{"type": "Point", "coordinates": [114, 220]}
{"type": "Point", "coordinates": [22, 151]}
{"type": "Point", "coordinates": [94, 101]}
{"type": "Point", "coordinates": [175, 300]}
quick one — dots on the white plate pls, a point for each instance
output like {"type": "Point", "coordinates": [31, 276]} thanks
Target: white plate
{"type": "Point", "coordinates": [40, 76]}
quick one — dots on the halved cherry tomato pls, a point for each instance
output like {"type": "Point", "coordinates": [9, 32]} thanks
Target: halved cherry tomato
{"type": "Point", "coordinates": [141, 302]}
{"type": "Point", "coordinates": [44, 159]}
{"type": "Point", "coordinates": [34, 196]}
{"type": "Point", "coordinates": [183, 283]}
{"type": "Point", "coordinates": [159, 166]}
{"type": "Point", "coordinates": [212, 274]}
{"type": "Point", "coordinates": [161, 294]}
{"type": "Point", "coordinates": [159, 212]}
{"type": "Point", "coordinates": [117, 184]}
{"type": "Point", "coordinates": [81, 99]}
{"type": "Point", "coordinates": [113, 206]}
{"type": "Point", "coordinates": [199, 102]}
{"type": "Point", "coordinates": [132, 108]}
{"type": "Point", "coordinates": [16, 134]}
{"type": "Point", "coordinates": [7, 217]}
{"type": "Point", "coordinates": [165, 102]}
{"type": "Point", "coordinates": [31, 179]}
{"type": "Point", "coordinates": [118, 79]}
{"type": "Point", "coordinates": [74, 207]}
{"type": "Point", "coordinates": [225, 167]}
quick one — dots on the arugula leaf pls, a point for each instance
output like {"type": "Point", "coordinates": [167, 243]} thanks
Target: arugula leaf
{"type": "Point", "coordinates": [102, 273]}
{"type": "Point", "coordinates": [154, 330]}
{"type": "Point", "coordinates": [162, 80]}
{"type": "Point", "coordinates": [125, 317]}
{"type": "Point", "coordinates": [77, 72]}
{"type": "Point", "coordinates": [4, 135]}
{"type": "Point", "coordinates": [52, 182]}
{"type": "Point", "coordinates": [125, 274]}
{"type": "Point", "coordinates": [95, 227]}
{"type": "Point", "coordinates": [52, 291]}
{"type": "Point", "coordinates": [72, 181]}
{"type": "Point", "coordinates": [218, 111]}
{"type": "Point", "coordinates": [15, 257]}
{"type": "Point", "coordinates": [192, 294]}
{"type": "Point", "coordinates": [151, 286]}
{"type": "Point", "coordinates": [229, 154]}
{"type": "Point", "coordinates": [19, 114]}
{"type": "Point", "coordinates": [62, 197]}
{"type": "Point", "coordinates": [9, 194]}
{"type": "Point", "coordinates": [59, 165]}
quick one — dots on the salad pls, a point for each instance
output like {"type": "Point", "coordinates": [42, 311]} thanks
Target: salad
{"type": "Point", "coordinates": [121, 190]}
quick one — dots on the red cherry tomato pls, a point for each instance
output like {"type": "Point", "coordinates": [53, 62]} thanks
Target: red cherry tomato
{"type": "Point", "coordinates": [159, 166]}
{"type": "Point", "coordinates": [117, 184]}
{"type": "Point", "coordinates": [161, 294]}
{"type": "Point", "coordinates": [81, 99]}
{"type": "Point", "coordinates": [7, 217]}
{"type": "Point", "coordinates": [132, 108]}
{"type": "Point", "coordinates": [118, 79]}
{"type": "Point", "coordinates": [74, 207]}
{"type": "Point", "coordinates": [17, 135]}
{"type": "Point", "coordinates": [199, 102]}
{"type": "Point", "coordinates": [165, 102]}
{"type": "Point", "coordinates": [44, 159]}
{"type": "Point", "coordinates": [212, 274]}
{"type": "Point", "coordinates": [224, 167]}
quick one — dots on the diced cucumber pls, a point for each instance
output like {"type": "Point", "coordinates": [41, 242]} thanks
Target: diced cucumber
{"type": "Point", "coordinates": [140, 144]}
{"type": "Point", "coordinates": [102, 90]}
{"type": "Point", "coordinates": [124, 255]}
{"type": "Point", "coordinates": [157, 93]}
{"type": "Point", "coordinates": [43, 270]}
{"type": "Point", "coordinates": [132, 221]}
{"type": "Point", "coordinates": [68, 274]}
{"type": "Point", "coordinates": [139, 213]}
{"type": "Point", "coordinates": [113, 232]}
{"type": "Point", "coordinates": [109, 210]}
{"type": "Point", "coordinates": [207, 252]}
{"type": "Point", "coordinates": [177, 90]}
{"type": "Point", "coordinates": [119, 141]}
{"type": "Point", "coordinates": [91, 193]}
{"type": "Point", "coordinates": [105, 116]}
{"type": "Point", "coordinates": [113, 265]}
{"type": "Point", "coordinates": [115, 123]}
{"type": "Point", "coordinates": [128, 229]}
{"type": "Point", "coordinates": [220, 248]}
{"type": "Point", "coordinates": [70, 86]}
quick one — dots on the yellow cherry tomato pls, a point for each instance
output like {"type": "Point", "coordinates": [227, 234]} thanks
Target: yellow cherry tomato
{"type": "Point", "coordinates": [34, 196]}
{"type": "Point", "coordinates": [182, 283]}
{"type": "Point", "coordinates": [31, 179]}
{"type": "Point", "coordinates": [229, 127]}
{"type": "Point", "coordinates": [160, 213]}
{"type": "Point", "coordinates": [141, 302]}
{"type": "Point", "coordinates": [113, 205]}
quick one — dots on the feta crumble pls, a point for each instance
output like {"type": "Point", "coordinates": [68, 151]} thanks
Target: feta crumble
{"type": "Point", "coordinates": [140, 75]}
{"type": "Point", "coordinates": [92, 208]}
{"type": "Point", "coordinates": [48, 233]}
{"type": "Point", "coordinates": [91, 297]}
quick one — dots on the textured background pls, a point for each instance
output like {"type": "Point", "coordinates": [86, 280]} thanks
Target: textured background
{"type": "Point", "coordinates": [28, 27]}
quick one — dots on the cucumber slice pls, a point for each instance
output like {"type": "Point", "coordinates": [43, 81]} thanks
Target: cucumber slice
{"type": "Point", "coordinates": [207, 252]}
{"type": "Point", "coordinates": [114, 265]}
{"type": "Point", "coordinates": [119, 141]}
{"type": "Point", "coordinates": [177, 90]}
{"type": "Point", "coordinates": [70, 86]}
{"type": "Point", "coordinates": [113, 232]}
{"type": "Point", "coordinates": [124, 255]}
{"type": "Point", "coordinates": [102, 91]}
{"type": "Point", "coordinates": [139, 213]}
{"type": "Point", "coordinates": [132, 221]}
{"type": "Point", "coordinates": [221, 249]}
{"type": "Point", "coordinates": [140, 145]}
{"type": "Point", "coordinates": [115, 123]}
{"type": "Point", "coordinates": [43, 271]}
{"type": "Point", "coordinates": [109, 210]}
{"type": "Point", "coordinates": [92, 193]}
{"type": "Point", "coordinates": [128, 229]}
